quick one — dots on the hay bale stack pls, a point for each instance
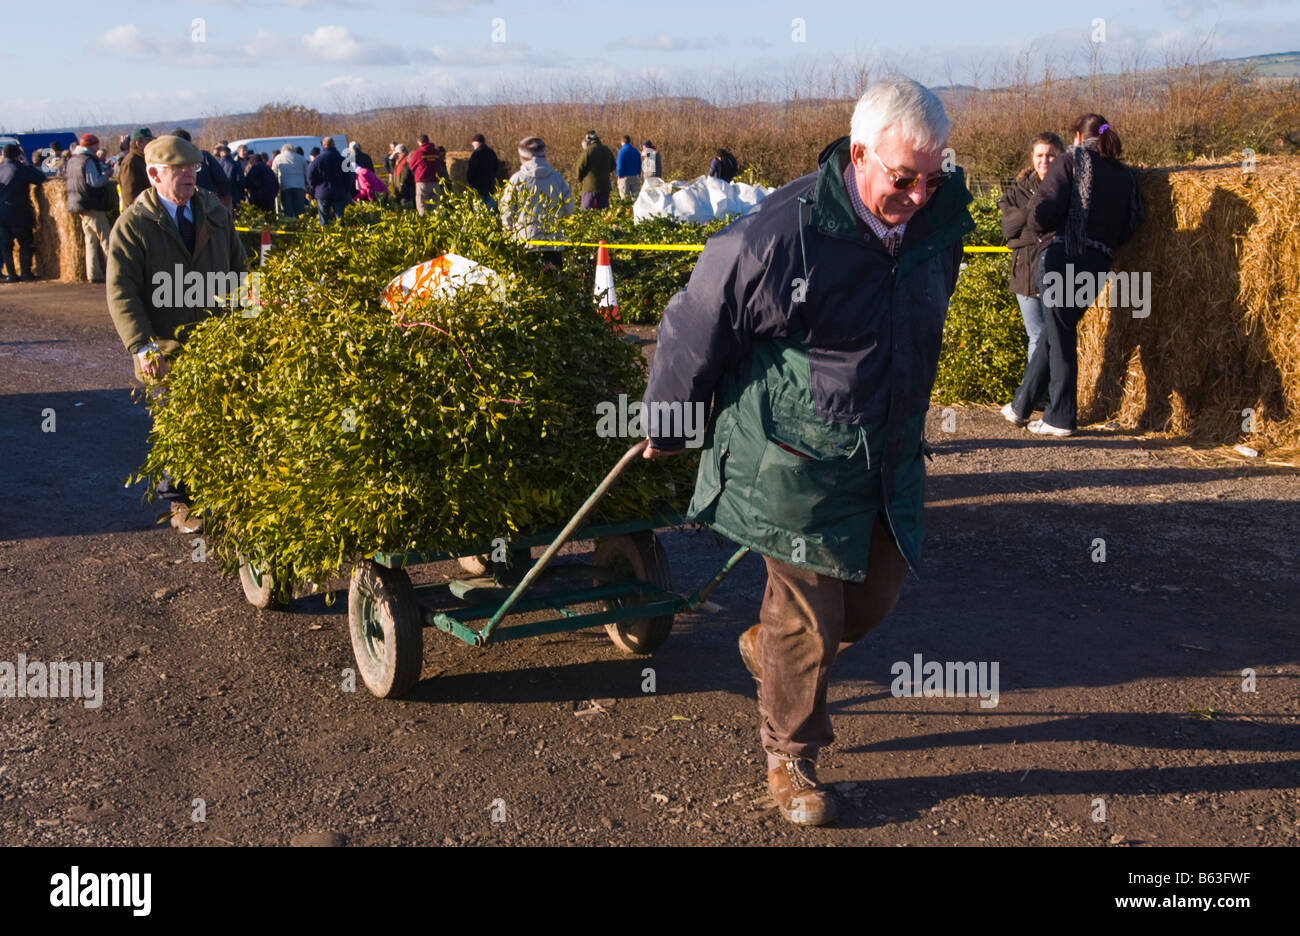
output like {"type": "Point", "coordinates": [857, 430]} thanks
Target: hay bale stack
{"type": "Point", "coordinates": [1223, 335]}
{"type": "Point", "coordinates": [60, 248]}
{"type": "Point", "coordinates": [458, 169]}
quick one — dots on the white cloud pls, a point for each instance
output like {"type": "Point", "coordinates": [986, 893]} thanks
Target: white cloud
{"type": "Point", "coordinates": [665, 43]}
{"type": "Point", "coordinates": [495, 55]}
{"type": "Point", "coordinates": [337, 45]}
{"type": "Point", "coordinates": [128, 40]}
{"type": "Point", "coordinates": [442, 6]}
{"type": "Point", "coordinates": [262, 45]}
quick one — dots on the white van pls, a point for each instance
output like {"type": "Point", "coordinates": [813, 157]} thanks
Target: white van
{"type": "Point", "coordinates": [271, 145]}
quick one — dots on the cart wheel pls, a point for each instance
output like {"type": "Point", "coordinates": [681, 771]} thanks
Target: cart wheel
{"type": "Point", "coordinates": [385, 622]}
{"type": "Point", "coordinates": [258, 589]}
{"type": "Point", "coordinates": [638, 556]}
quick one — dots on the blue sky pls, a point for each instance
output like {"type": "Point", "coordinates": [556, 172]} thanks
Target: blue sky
{"type": "Point", "coordinates": [136, 61]}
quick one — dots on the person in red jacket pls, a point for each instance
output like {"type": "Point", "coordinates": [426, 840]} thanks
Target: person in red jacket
{"type": "Point", "coordinates": [428, 169]}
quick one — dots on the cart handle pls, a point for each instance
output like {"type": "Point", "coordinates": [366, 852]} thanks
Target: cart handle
{"type": "Point", "coordinates": [563, 537]}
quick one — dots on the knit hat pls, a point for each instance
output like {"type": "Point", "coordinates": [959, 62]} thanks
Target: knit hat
{"type": "Point", "coordinates": [89, 140]}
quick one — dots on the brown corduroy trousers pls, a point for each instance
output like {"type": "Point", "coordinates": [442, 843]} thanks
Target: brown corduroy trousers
{"type": "Point", "coordinates": [806, 621]}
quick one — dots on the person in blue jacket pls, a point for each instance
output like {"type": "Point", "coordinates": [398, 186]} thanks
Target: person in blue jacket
{"type": "Point", "coordinates": [627, 166]}
{"type": "Point", "coordinates": [17, 219]}
{"type": "Point", "coordinates": [331, 184]}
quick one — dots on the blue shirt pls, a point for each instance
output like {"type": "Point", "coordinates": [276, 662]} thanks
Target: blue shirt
{"type": "Point", "coordinates": [171, 209]}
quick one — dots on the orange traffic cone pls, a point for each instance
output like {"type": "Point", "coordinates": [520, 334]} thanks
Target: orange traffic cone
{"type": "Point", "coordinates": [266, 246]}
{"type": "Point", "coordinates": [606, 297]}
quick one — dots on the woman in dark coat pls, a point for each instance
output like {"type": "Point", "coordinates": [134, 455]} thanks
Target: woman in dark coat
{"type": "Point", "coordinates": [1026, 246]}
{"type": "Point", "coordinates": [403, 181]}
{"type": "Point", "coordinates": [1087, 204]}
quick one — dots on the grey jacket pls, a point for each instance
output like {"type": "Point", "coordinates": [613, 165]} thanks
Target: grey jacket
{"type": "Point", "coordinates": [534, 199]}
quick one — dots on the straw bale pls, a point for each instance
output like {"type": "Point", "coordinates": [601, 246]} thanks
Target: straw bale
{"type": "Point", "coordinates": [458, 169]}
{"type": "Point", "coordinates": [60, 247]}
{"type": "Point", "coordinates": [1222, 248]}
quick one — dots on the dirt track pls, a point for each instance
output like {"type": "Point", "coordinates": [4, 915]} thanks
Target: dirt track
{"type": "Point", "coordinates": [1119, 680]}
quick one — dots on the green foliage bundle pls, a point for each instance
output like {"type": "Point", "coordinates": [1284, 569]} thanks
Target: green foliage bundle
{"type": "Point", "coordinates": [320, 429]}
{"type": "Point", "coordinates": [984, 343]}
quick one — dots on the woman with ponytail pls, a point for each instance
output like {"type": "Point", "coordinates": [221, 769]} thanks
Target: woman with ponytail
{"type": "Point", "coordinates": [1087, 205]}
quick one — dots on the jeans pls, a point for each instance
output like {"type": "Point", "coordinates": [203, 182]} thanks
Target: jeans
{"type": "Point", "coordinates": [597, 200]}
{"type": "Point", "coordinates": [23, 234]}
{"type": "Point", "coordinates": [1031, 310]}
{"type": "Point", "coordinates": [807, 620]}
{"type": "Point", "coordinates": [327, 210]}
{"type": "Point", "coordinates": [1054, 366]}
{"type": "Point", "coordinates": [294, 201]}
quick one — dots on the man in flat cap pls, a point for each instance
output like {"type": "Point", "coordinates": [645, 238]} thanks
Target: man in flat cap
{"type": "Point", "coordinates": [132, 178]}
{"type": "Point", "coordinates": [172, 232]}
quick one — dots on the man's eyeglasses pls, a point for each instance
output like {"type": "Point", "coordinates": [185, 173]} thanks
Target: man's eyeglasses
{"type": "Point", "coordinates": [905, 182]}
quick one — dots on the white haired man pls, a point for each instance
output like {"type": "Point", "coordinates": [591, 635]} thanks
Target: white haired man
{"type": "Point", "coordinates": [291, 171]}
{"type": "Point", "coordinates": [813, 326]}
{"type": "Point", "coordinates": [534, 200]}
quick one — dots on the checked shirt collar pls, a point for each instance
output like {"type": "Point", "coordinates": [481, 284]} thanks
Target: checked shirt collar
{"type": "Point", "coordinates": [891, 237]}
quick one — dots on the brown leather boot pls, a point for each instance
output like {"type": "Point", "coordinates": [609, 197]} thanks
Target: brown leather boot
{"type": "Point", "coordinates": [185, 521]}
{"type": "Point", "coordinates": [749, 653]}
{"type": "Point", "coordinates": [799, 796]}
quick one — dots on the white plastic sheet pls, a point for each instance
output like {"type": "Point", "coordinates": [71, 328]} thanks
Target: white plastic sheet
{"type": "Point", "coordinates": [700, 201]}
{"type": "Point", "coordinates": [440, 276]}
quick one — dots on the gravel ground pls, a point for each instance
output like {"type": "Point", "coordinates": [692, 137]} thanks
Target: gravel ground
{"type": "Point", "coordinates": [1121, 683]}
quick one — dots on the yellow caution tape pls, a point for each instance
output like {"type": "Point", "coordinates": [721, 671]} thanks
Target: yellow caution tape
{"type": "Point", "coordinates": [540, 243]}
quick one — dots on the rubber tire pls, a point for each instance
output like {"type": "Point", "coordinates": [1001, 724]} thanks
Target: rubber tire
{"type": "Point", "coordinates": [260, 596]}
{"type": "Point", "coordinates": [390, 599]}
{"type": "Point", "coordinates": [641, 556]}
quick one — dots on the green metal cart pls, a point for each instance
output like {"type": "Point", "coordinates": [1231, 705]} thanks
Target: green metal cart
{"type": "Point", "coordinates": [628, 578]}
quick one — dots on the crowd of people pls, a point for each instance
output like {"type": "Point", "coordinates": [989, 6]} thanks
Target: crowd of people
{"type": "Point", "coordinates": [290, 181]}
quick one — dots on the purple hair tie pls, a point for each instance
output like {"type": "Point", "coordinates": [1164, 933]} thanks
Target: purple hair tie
{"type": "Point", "coordinates": [1104, 128]}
